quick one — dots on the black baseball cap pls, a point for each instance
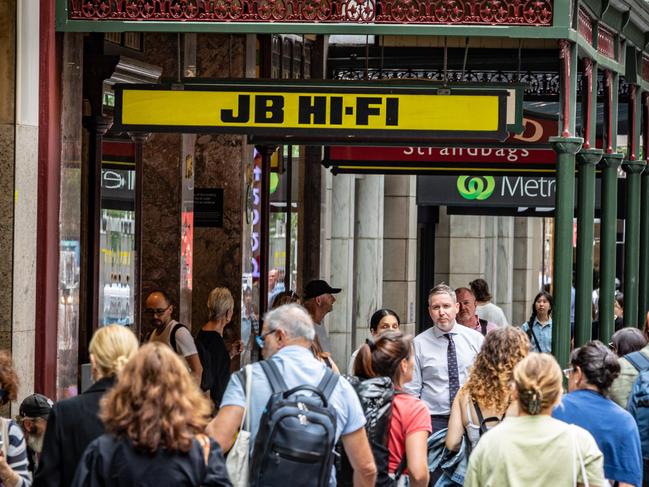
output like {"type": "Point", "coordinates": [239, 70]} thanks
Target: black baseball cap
{"type": "Point", "coordinates": [35, 406]}
{"type": "Point", "coordinates": [318, 288]}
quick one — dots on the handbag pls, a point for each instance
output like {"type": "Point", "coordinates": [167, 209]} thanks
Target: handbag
{"type": "Point", "coordinates": [239, 456]}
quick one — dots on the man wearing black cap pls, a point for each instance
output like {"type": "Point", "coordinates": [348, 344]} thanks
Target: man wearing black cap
{"type": "Point", "coordinates": [32, 418]}
{"type": "Point", "coordinates": [319, 300]}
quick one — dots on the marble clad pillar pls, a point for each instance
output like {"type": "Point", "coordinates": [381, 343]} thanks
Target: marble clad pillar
{"type": "Point", "coordinates": [23, 194]}
{"type": "Point", "coordinates": [368, 253]}
{"type": "Point", "coordinates": [7, 159]}
{"type": "Point", "coordinates": [400, 250]}
{"type": "Point", "coordinates": [219, 164]}
{"type": "Point", "coordinates": [527, 257]}
{"type": "Point", "coordinates": [161, 191]}
{"type": "Point", "coordinates": [504, 271]}
{"type": "Point", "coordinates": [339, 321]}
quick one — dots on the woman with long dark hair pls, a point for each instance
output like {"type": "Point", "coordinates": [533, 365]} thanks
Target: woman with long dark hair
{"type": "Point", "coordinates": [381, 321]}
{"type": "Point", "coordinates": [593, 368]}
{"type": "Point", "coordinates": [391, 356]}
{"type": "Point", "coordinates": [539, 326]}
{"type": "Point", "coordinates": [155, 420]}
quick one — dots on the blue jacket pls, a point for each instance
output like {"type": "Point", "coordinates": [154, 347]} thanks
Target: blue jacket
{"type": "Point", "coordinates": [453, 464]}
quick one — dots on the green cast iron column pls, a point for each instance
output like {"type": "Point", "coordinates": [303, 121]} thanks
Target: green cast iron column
{"type": "Point", "coordinates": [633, 170]}
{"type": "Point", "coordinates": [608, 237]}
{"type": "Point", "coordinates": [643, 290]}
{"type": "Point", "coordinates": [587, 159]}
{"type": "Point", "coordinates": [566, 148]}
{"type": "Point", "coordinates": [633, 167]}
{"type": "Point", "coordinates": [643, 293]}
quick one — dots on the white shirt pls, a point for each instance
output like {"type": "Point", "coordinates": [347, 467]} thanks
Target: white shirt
{"type": "Point", "coordinates": [493, 313]}
{"type": "Point", "coordinates": [430, 375]}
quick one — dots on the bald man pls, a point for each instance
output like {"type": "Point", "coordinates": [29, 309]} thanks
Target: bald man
{"type": "Point", "coordinates": [158, 309]}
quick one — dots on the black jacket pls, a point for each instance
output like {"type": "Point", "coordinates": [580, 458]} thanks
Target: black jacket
{"type": "Point", "coordinates": [112, 461]}
{"type": "Point", "coordinates": [72, 425]}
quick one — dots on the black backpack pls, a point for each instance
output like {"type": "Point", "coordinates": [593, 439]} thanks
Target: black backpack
{"type": "Point", "coordinates": [297, 433]}
{"type": "Point", "coordinates": [376, 396]}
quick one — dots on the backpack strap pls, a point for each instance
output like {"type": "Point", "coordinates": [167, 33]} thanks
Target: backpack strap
{"type": "Point", "coordinates": [274, 376]}
{"type": "Point", "coordinates": [328, 383]}
{"type": "Point", "coordinates": [483, 326]}
{"type": "Point", "coordinates": [639, 360]}
{"type": "Point", "coordinates": [172, 335]}
{"type": "Point", "coordinates": [401, 467]}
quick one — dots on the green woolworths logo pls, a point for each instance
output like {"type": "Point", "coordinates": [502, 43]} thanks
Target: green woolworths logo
{"type": "Point", "coordinates": [476, 187]}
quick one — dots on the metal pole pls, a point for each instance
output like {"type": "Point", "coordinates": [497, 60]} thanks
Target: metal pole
{"type": "Point", "coordinates": [608, 234]}
{"type": "Point", "coordinates": [289, 209]}
{"type": "Point", "coordinates": [566, 147]}
{"type": "Point", "coordinates": [643, 293]}
{"type": "Point", "coordinates": [608, 237]}
{"type": "Point", "coordinates": [588, 158]}
{"type": "Point", "coordinates": [266, 153]}
{"type": "Point", "coordinates": [633, 168]}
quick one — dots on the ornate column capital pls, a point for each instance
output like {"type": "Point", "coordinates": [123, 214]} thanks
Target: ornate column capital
{"type": "Point", "coordinates": [566, 145]}
{"type": "Point", "coordinates": [589, 156]}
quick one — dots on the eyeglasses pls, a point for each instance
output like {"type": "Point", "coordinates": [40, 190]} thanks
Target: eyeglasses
{"type": "Point", "coordinates": [261, 339]}
{"type": "Point", "coordinates": [156, 311]}
{"type": "Point", "coordinates": [567, 372]}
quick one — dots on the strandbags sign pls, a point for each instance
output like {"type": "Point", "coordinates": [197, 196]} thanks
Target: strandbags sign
{"type": "Point", "coordinates": [525, 152]}
{"type": "Point", "coordinates": [403, 113]}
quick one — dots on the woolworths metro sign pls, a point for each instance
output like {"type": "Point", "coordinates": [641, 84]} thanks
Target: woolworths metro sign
{"type": "Point", "coordinates": [493, 191]}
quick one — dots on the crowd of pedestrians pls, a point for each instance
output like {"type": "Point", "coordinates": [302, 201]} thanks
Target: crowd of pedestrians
{"type": "Point", "coordinates": [470, 401]}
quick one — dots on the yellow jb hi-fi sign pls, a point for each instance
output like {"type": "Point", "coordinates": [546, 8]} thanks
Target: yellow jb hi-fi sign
{"type": "Point", "coordinates": [310, 110]}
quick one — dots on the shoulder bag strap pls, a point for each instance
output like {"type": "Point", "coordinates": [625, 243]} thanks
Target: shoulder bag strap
{"type": "Point", "coordinates": [530, 329]}
{"type": "Point", "coordinates": [275, 378]}
{"type": "Point", "coordinates": [328, 383]}
{"type": "Point", "coordinates": [639, 360]}
{"type": "Point", "coordinates": [483, 326]}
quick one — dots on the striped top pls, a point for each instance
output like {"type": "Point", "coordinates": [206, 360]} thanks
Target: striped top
{"type": "Point", "coordinates": [17, 454]}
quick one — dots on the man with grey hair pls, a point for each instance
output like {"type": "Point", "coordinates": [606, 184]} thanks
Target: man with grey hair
{"type": "Point", "coordinates": [287, 334]}
{"type": "Point", "coordinates": [443, 355]}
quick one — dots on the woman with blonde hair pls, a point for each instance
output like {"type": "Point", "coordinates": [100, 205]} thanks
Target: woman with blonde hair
{"type": "Point", "coordinates": [155, 417]}
{"type": "Point", "coordinates": [535, 449]}
{"type": "Point", "coordinates": [74, 423]}
{"type": "Point", "coordinates": [485, 397]}
{"type": "Point", "coordinates": [215, 355]}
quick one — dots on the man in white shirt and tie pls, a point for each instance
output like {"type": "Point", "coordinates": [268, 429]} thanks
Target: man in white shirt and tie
{"type": "Point", "coordinates": [443, 355]}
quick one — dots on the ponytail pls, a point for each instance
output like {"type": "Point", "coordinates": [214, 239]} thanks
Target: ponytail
{"type": "Point", "coordinates": [381, 357]}
{"type": "Point", "coordinates": [538, 382]}
{"type": "Point", "coordinates": [363, 363]}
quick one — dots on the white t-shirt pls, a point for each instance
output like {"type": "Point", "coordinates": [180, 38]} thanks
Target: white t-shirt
{"type": "Point", "coordinates": [185, 345]}
{"type": "Point", "coordinates": [493, 313]}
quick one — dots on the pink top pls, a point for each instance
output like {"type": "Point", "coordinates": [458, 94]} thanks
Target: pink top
{"type": "Point", "coordinates": [409, 415]}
